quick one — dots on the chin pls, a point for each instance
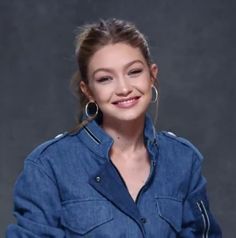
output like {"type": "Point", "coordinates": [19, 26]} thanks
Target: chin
{"type": "Point", "coordinates": [125, 114]}
{"type": "Point", "coordinates": [127, 117]}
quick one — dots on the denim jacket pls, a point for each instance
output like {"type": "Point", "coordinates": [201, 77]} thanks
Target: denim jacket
{"type": "Point", "coordinates": [70, 188]}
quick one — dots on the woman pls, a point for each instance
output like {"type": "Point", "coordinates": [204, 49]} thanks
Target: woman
{"type": "Point", "coordinates": [113, 176]}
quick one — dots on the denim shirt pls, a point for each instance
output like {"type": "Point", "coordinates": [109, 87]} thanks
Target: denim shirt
{"type": "Point", "coordinates": [70, 188]}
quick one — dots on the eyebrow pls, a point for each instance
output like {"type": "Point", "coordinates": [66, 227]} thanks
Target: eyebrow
{"type": "Point", "coordinates": [111, 70]}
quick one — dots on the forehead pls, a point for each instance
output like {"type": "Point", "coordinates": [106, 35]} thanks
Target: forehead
{"type": "Point", "coordinates": [114, 55]}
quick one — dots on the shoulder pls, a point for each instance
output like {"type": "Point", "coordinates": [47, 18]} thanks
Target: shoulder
{"type": "Point", "coordinates": [52, 147]}
{"type": "Point", "coordinates": [178, 144]}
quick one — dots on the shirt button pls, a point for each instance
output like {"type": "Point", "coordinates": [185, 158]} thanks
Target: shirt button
{"type": "Point", "coordinates": [143, 220]}
{"type": "Point", "coordinates": [98, 179]}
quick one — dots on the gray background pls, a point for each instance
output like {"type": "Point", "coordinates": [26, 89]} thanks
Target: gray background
{"type": "Point", "coordinates": [193, 43]}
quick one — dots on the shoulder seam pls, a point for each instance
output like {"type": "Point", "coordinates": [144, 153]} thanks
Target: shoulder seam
{"type": "Point", "coordinates": [41, 168]}
{"type": "Point", "coordinates": [44, 146]}
{"type": "Point", "coordinates": [184, 142]}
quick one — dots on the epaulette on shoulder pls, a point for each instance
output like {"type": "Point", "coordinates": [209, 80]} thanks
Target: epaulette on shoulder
{"type": "Point", "coordinates": [183, 141]}
{"type": "Point", "coordinates": [42, 147]}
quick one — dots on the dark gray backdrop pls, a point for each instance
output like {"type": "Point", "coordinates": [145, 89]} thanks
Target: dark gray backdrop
{"type": "Point", "coordinates": [193, 43]}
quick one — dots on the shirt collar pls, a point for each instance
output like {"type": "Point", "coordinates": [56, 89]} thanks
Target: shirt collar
{"type": "Point", "coordinates": [97, 140]}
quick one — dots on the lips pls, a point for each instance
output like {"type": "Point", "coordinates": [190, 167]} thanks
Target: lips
{"type": "Point", "coordinates": [126, 103]}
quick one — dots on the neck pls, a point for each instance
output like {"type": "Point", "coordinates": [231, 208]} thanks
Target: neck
{"type": "Point", "coordinates": [127, 135]}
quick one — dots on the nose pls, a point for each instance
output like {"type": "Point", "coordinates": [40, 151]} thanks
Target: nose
{"type": "Point", "coordinates": [123, 88]}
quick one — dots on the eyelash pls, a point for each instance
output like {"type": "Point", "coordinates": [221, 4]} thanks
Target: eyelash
{"type": "Point", "coordinates": [130, 73]}
{"type": "Point", "coordinates": [135, 71]}
{"type": "Point", "coordinates": [104, 79]}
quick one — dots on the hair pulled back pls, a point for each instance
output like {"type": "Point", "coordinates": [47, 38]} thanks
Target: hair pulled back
{"type": "Point", "coordinates": [92, 37]}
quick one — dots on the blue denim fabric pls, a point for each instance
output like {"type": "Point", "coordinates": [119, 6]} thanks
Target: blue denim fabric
{"type": "Point", "coordinates": [70, 188]}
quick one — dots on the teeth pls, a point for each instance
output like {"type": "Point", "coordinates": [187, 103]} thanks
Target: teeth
{"type": "Point", "coordinates": [126, 101]}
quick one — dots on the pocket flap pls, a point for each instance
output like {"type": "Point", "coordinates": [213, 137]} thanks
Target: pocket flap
{"type": "Point", "coordinates": [170, 210]}
{"type": "Point", "coordinates": [83, 216]}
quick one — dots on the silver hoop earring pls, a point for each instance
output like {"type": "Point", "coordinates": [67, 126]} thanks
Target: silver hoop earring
{"type": "Point", "coordinates": [91, 109]}
{"type": "Point", "coordinates": [155, 97]}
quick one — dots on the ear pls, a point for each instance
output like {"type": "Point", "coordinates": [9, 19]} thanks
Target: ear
{"type": "Point", "coordinates": [86, 90]}
{"type": "Point", "coordinates": [154, 72]}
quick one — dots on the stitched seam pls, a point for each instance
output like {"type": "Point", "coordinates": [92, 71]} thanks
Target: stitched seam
{"type": "Point", "coordinates": [41, 169]}
{"type": "Point", "coordinates": [92, 136]}
{"type": "Point", "coordinates": [74, 201]}
{"type": "Point", "coordinates": [170, 198]}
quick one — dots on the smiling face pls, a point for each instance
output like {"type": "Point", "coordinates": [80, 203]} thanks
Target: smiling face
{"type": "Point", "coordinates": [120, 82]}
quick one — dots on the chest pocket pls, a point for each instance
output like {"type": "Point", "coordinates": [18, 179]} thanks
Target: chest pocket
{"type": "Point", "coordinates": [170, 210]}
{"type": "Point", "coordinates": [83, 216]}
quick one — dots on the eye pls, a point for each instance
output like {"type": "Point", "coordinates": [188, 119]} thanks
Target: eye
{"type": "Point", "coordinates": [104, 79]}
{"type": "Point", "coordinates": [134, 72]}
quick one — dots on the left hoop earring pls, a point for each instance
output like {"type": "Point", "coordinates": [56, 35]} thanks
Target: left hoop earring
{"type": "Point", "coordinates": [155, 94]}
{"type": "Point", "coordinates": [91, 109]}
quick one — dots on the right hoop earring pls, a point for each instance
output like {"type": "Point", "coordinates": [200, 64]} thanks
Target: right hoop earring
{"type": "Point", "coordinates": [91, 106]}
{"type": "Point", "coordinates": [155, 93]}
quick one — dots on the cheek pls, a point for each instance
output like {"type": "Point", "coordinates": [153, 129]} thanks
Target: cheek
{"type": "Point", "coordinates": [101, 95]}
{"type": "Point", "coordinates": [147, 90]}
{"type": "Point", "coordinates": [145, 85]}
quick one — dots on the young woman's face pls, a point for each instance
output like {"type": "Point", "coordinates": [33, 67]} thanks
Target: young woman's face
{"type": "Point", "coordinates": [120, 82]}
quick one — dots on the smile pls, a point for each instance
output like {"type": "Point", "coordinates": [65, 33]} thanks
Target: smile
{"type": "Point", "coordinates": [126, 103]}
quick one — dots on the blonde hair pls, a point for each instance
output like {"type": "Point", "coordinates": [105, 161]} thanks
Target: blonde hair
{"type": "Point", "coordinates": [92, 37]}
